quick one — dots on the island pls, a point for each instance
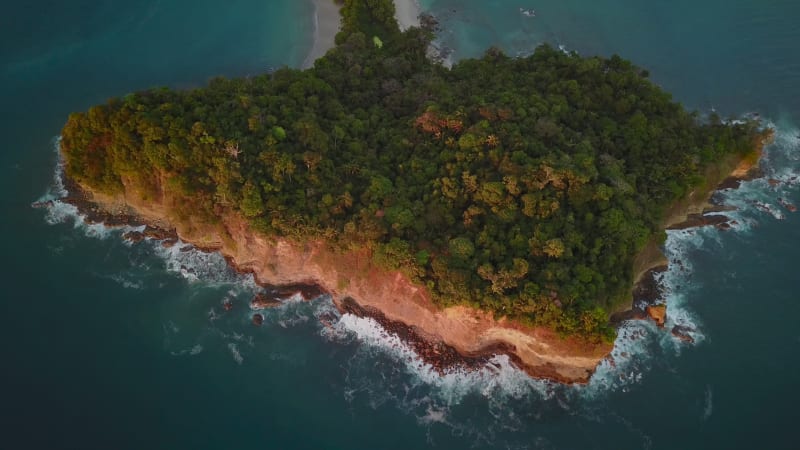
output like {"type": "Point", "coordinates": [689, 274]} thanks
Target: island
{"type": "Point", "coordinates": [502, 205]}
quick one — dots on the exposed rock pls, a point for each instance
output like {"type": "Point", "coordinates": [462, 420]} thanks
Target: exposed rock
{"type": "Point", "coordinates": [647, 291]}
{"type": "Point", "coordinates": [328, 319]}
{"type": "Point", "coordinates": [258, 319]}
{"type": "Point", "coordinates": [734, 181]}
{"type": "Point", "coordinates": [788, 205]}
{"type": "Point", "coordinates": [158, 233]}
{"type": "Point", "coordinates": [682, 332]}
{"type": "Point", "coordinates": [149, 232]}
{"type": "Point", "coordinates": [133, 236]}
{"type": "Point", "coordinates": [700, 220]}
{"type": "Point", "coordinates": [717, 208]}
{"type": "Point", "coordinates": [658, 313]}
{"type": "Point", "coordinates": [428, 22]}
{"type": "Point", "coordinates": [307, 292]}
{"type": "Point", "coordinates": [264, 301]}
{"type": "Point", "coordinates": [39, 205]}
{"type": "Point", "coordinates": [169, 243]}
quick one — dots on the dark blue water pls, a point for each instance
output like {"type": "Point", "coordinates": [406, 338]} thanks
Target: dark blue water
{"type": "Point", "coordinates": [113, 346]}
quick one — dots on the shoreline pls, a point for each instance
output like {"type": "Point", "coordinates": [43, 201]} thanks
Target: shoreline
{"type": "Point", "coordinates": [326, 26]}
{"type": "Point", "coordinates": [459, 337]}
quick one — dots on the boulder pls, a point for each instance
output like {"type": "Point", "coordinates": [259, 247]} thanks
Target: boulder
{"type": "Point", "coordinates": [158, 233]}
{"type": "Point", "coordinates": [258, 319]}
{"type": "Point", "coordinates": [264, 301]}
{"type": "Point", "coordinates": [658, 313]}
{"type": "Point", "coordinates": [134, 236]}
{"type": "Point", "coordinates": [682, 332]}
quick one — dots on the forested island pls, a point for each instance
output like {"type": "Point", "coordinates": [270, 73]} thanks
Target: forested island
{"type": "Point", "coordinates": [525, 187]}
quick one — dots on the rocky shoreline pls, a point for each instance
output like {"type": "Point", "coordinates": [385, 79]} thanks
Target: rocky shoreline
{"type": "Point", "coordinates": [455, 338]}
{"type": "Point", "coordinates": [439, 355]}
{"type": "Point", "coordinates": [648, 292]}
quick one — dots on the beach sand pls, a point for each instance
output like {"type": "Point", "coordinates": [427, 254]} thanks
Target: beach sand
{"type": "Point", "coordinates": [406, 13]}
{"type": "Point", "coordinates": [327, 18]}
{"type": "Point", "coordinates": [326, 25]}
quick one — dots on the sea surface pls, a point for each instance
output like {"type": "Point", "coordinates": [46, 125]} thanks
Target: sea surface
{"type": "Point", "coordinates": [109, 345]}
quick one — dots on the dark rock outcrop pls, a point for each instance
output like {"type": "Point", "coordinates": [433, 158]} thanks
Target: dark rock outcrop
{"type": "Point", "coordinates": [682, 332]}
{"type": "Point", "coordinates": [264, 301]}
{"type": "Point", "coordinates": [658, 313]}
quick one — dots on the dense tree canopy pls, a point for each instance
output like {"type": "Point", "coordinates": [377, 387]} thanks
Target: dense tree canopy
{"type": "Point", "coordinates": [521, 185]}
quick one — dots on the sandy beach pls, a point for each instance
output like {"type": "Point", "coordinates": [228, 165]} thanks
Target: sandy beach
{"type": "Point", "coordinates": [407, 13]}
{"type": "Point", "coordinates": [326, 25]}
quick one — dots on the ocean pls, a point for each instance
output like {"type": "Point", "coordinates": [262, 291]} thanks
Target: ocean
{"type": "Point", "coordinates": [112, 345]}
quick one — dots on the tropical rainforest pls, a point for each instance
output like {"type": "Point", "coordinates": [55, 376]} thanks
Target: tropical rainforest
{"type": "Point", "coordinates": [521, 185]}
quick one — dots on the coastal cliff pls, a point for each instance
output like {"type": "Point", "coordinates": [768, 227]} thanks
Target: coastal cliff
{"type": "Point", "coordinates": [446, 337]}
{"type": "Point", "coordinates": [357, 286]}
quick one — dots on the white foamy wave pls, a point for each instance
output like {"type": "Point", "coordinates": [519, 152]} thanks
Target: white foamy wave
{"type": "Point", "coordinates": [58, 212]}
{"type": "Point", "coordinates": [195, 350]}
{"type": "Point", "coordinates": [499, 379]}
{"type": "Point", "coordinates": [679, 281]}
{"type": "Point", "coordinates": [709, 403]}
{"type": "Point", "coordinates": [56, 189]}
{"type": "Point", "coordinates": [628, 361]}
{"type": "Point", "coordinates": [126, 282]}
{"type": "Point", "coordinates": [639, 340]}
{"type": "Point", "coordinates": [199, 266]}
{"type": "Point", "coordinates": [774, 195]}
{"type": "Point", "coordinates": [237, 356]}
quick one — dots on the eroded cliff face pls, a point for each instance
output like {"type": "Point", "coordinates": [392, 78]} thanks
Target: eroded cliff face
{"type": "Point", "coordinates": [352, 275]}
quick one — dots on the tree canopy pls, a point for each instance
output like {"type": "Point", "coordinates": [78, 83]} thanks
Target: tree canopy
{"type": "Point", "coordinates": [525, 186]}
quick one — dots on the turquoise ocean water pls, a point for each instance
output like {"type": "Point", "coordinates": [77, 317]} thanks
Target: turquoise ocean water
{"type": "Point", "coordinates": [107, 345]}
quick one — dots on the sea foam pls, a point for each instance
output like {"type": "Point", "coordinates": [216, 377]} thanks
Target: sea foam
{"type": "Point", "coordinates": [499, 378]}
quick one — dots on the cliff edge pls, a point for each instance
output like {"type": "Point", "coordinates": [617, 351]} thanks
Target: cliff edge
{"type": "Point", "coordinates": [351, 277]}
